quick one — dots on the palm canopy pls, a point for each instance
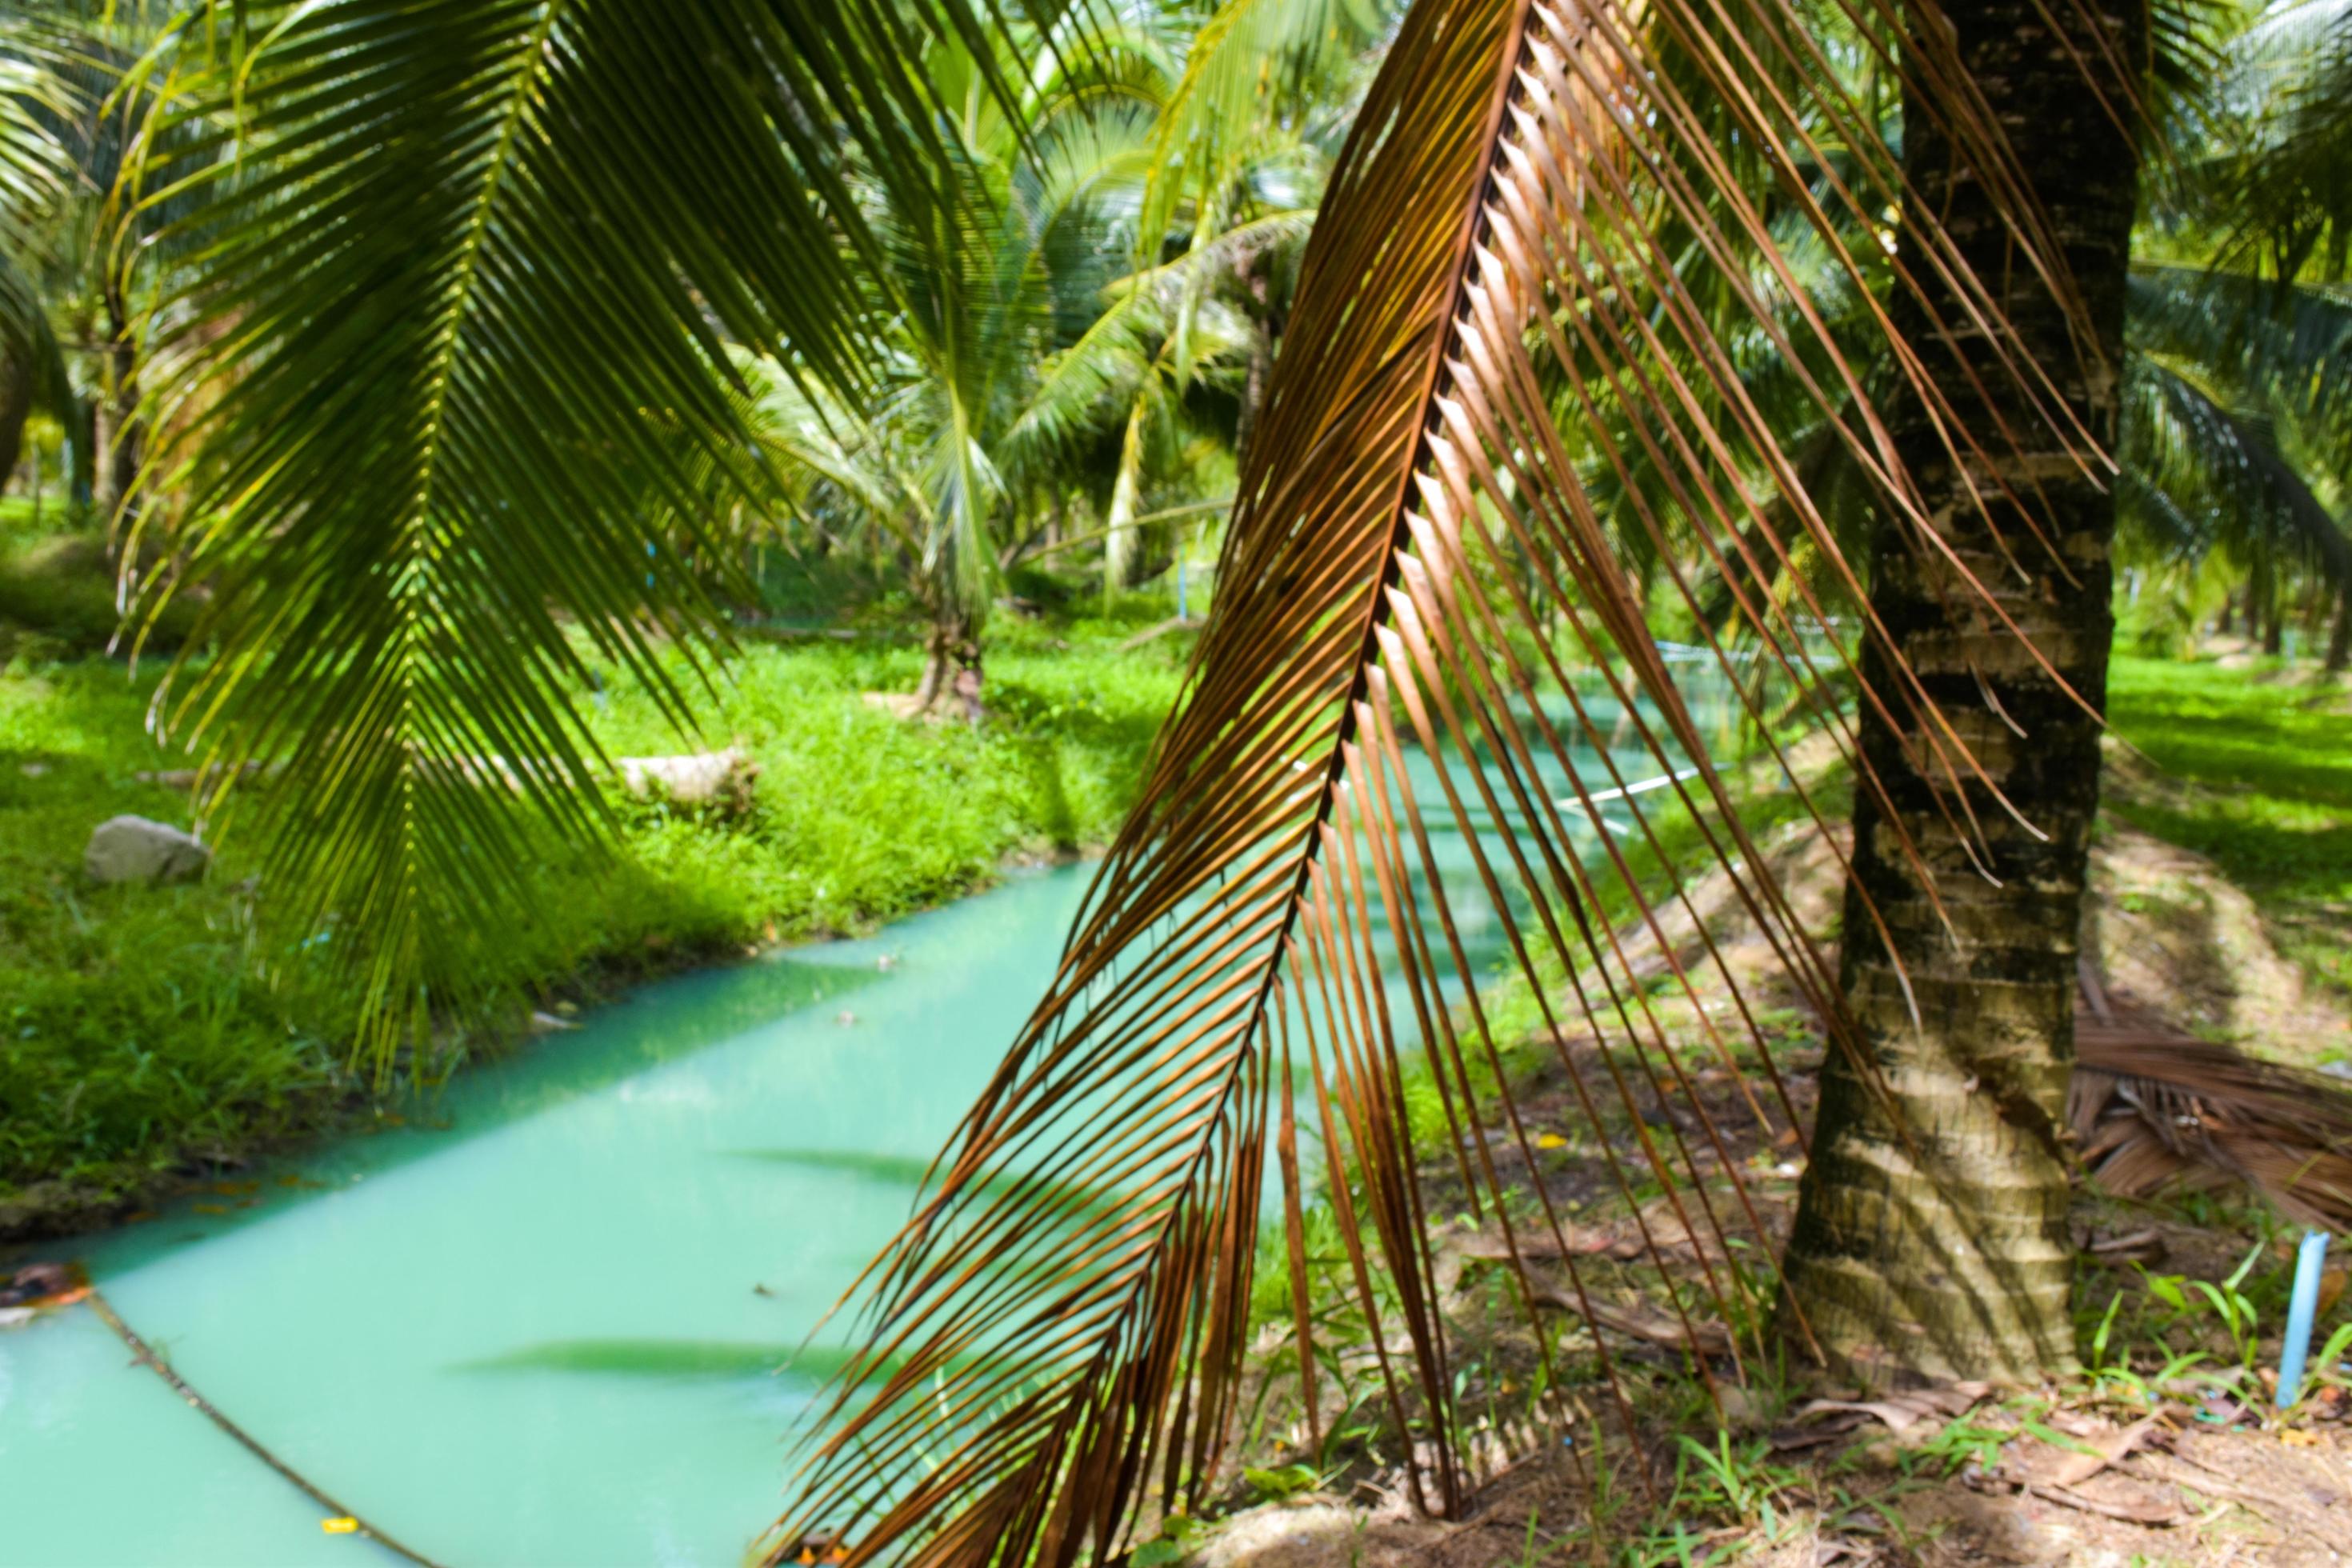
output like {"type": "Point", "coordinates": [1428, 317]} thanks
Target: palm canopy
{"type": "Point", "coordinates": [2239, 400]}
{"type": "Point", "coordinates": [2241, 378]}
{"type": "Point", "coordinates": [62, 138]}
{"type": "Point", "coordinates": [1012, 338]}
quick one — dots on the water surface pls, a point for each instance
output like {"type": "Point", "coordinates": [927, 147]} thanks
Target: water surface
{"type": "Point", "coordinates": [543, 1333]}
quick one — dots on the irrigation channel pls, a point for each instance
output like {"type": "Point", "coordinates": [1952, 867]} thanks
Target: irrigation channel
{"type": "Point", "coordinates": [546, 1328]}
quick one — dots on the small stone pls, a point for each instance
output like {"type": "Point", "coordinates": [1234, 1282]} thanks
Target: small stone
{"type": "Point", "coordinates": [32, 769]}
{"type": "Point", "coordinates": [2342, 1069]}
{"type": "Point", "coordinates": [1741, 1410]}
{"type": "Point", "coordinates": [549, 1024]}
{"type": "Point", "coordinates": [135, 849]}
{"type": "Point", "coordinates": [846, 1018]}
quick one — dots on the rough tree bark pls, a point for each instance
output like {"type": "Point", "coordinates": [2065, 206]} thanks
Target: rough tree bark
{"type": "Point", "coordinates": [15, 407]}
{"type": "Point", "coordinates": [1930, 1238]}
{"type": "Point", "coordinates": [2339, 641]}
{"type": "Point", "coordinates": [951, 669]}
{"type": "Point", "coordinates": [115, 431]}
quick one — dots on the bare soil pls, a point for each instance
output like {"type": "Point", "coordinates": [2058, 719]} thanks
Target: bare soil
{"type": "Point", "coordinates": [2200, 1471]}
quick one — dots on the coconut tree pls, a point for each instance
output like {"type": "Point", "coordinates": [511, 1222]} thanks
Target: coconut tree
{"type": "Point", "coordinates": [2241, 330]}
{"type": "Point", "coordinates": [2232, 471]}
{"type": "Point", "coordinates": [1241, 146]}
{"type": "Point", "coordinates": [471, 339]}
{"type": "Point", "coordinates": [1536, 208]}
{"type": "Point", "coordinates": [989, 407]}
{"type": "Point", "coordinates": [942, 454]}
{"type": "Point", "coordinates": [1931, 1231]}
{"type": "Point", "coordinates": [1167, 334]}
{"type": "Point", "coordinates": [58, 156]}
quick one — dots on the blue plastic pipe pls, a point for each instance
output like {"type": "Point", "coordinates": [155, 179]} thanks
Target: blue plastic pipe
{"type": "Point", "coordinates": [2301, 1308]}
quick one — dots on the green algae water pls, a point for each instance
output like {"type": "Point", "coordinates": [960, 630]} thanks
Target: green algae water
{"type": "Point", "coordinates": [548, 1332]}
{"type": "Point", "coordinates": [554, 1327]}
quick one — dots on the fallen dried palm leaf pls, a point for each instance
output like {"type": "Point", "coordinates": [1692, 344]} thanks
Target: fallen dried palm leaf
{"type": "Point", "coordinates": [2144, 1245]}
{"type": "Point", "coordinates": [1640, 1321]}
{"type": "Point", "coordinates": [2075, 1468]}
{"type": "Point", "coordinates": [1573, 1240]}
{"type": "Point", "coordinates": [2152, 1512]}
{"type": "Point", "coordinates": [1900, 1412]}
{"type": "Point", "coordinates": [2153, 1107]}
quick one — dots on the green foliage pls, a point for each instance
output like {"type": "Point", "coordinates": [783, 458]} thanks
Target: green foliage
{"type": "Point", "coordinates": [57, 594]}
{"type": "Point", "coordinates": [145, 1027]}
{"type": "Point", "coordinates": [2236, 400]}
{"type": "Point", "coordinates": [2275, 764]}
{"type": "Point", "coordinates": [444, 395]}
{"type": "Point", "coordinates": [1280, 1482]}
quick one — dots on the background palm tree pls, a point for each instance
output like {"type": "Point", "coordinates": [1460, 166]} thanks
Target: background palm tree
{"type": "Point", "coordinates": [2241, 339]}
{"type": "Point", "coordinates": [68, 299]}
{"type": "Point", "coordinates": [948, 449]}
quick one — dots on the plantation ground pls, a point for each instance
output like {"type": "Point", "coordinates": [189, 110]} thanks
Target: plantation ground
{"type": "Point", "coordinates": [2220, 896]}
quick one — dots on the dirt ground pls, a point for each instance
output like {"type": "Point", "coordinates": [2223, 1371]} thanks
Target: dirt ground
{"type": "Point", "coordinates": [2185, 1495]}
{"type": "Point", "coordinates": [2196, 1469]}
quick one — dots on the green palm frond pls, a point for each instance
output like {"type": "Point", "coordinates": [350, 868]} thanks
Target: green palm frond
{"type": "Point", "coordinates": [2268, 180]}
{"type": "Point", "coordinates": [2283, 344]}
{"type": "Point", "coordinates": [42, 97]}
{"type": "Point", "coordinates": [442, 376]}
{"type": "Point", "coordinates": [1250, 61]}
{"type": "Point", "coordinates": [2217, 479]}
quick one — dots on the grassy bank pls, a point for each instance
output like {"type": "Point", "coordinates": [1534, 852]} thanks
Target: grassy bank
{"type": "Point", "coordinates": [147, 1032]}
{"type": "Point", "coordinates": [2265, 757]}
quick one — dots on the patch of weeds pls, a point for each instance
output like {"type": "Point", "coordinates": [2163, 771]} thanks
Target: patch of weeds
{"type": "Point", "coordinates": [1734, 1488]}
{"type": "Point", "coordinates": [145, 1031]}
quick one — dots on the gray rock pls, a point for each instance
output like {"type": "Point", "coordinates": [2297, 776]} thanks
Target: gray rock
{"type": "Point", "coordinates": [133, 849]}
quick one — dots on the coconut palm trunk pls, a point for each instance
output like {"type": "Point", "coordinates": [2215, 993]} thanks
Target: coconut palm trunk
{"type": "Point", "coordinates": [1930, 1238]}
{"type": "Point", "coordinates": [15, 407]}
{"type": "Point", "coordinates": [116, 435]}
{"type": "Point", "coordinates": [951, 667]}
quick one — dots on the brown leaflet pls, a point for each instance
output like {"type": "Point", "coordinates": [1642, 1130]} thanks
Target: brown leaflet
{"type": "Point", "coordinates": [1404, 381]}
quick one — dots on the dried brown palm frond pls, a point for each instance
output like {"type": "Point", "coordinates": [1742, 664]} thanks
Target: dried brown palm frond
{"type": "Point", "coordinates": [2155, 1107]}
{"type": "Point", "coordinates": [1385, 734]}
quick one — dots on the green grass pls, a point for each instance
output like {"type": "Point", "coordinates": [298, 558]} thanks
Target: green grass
{"type": "Point", "coordinates": [2273, 758]}
{"type": "Point", "coordinates": [57, 588]}
{"type": "Point", "coordinates": [146, 1030]}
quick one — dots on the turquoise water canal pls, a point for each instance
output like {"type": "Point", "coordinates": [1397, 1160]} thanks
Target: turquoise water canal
{"type": "Point", "coordinates": [547, 1329]}
{"type": "Point", "coordinates": [546, 1333]}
